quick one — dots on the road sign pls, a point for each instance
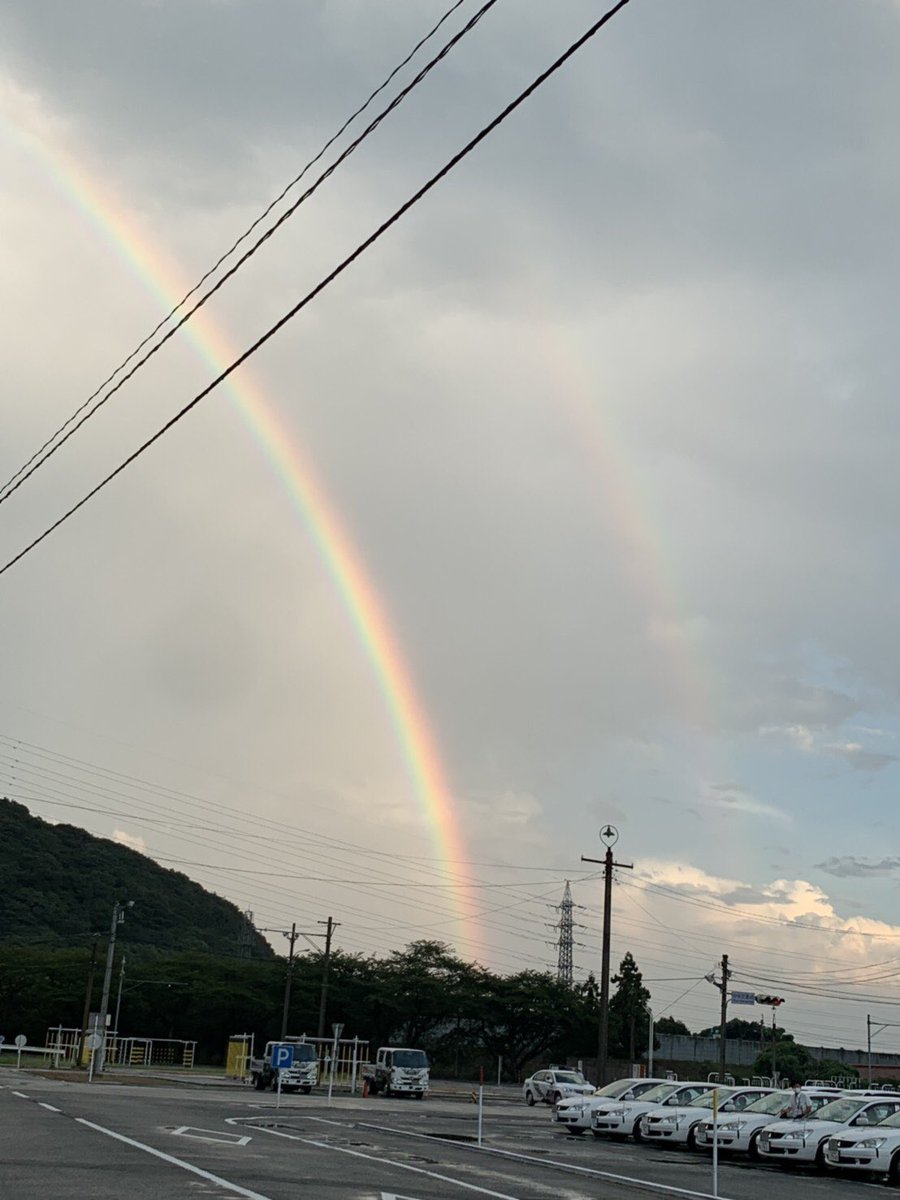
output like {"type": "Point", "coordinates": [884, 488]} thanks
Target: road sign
{"type": "Point", "coordinates": [94, 1041]}
{"type": "Point", "coordinates": [743, 997]}
{"type": "Point", "coordinates": [21, 1039]}
{"type": "Point", "coordinates": [282, 1056]}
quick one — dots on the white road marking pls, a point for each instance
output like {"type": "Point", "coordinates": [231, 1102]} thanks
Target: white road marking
{"type": "Point", "coordinates": [212, 1135]}
{"type": "Point", "coordinates": [547, 1162]}
{"type": "Point", "coordinates": [175, 1162]}
{"type": "Point", "coordinates": [49, 1107]}
{"type": "Point", "coordinates": [388, 1162]}
{"type": "Point", "coordinates": [22, 1095]}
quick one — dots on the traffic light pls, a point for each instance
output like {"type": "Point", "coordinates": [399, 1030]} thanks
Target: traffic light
{"type": "Point", "coordinates": [772, 1001]}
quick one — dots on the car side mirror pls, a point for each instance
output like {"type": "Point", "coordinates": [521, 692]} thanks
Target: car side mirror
{"type": "Point", "coordinates": [862, 1119]}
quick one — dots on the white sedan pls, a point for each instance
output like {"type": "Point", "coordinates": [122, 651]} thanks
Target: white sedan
{"type": "Point", "coordinates": [677, 1125]}
{"type": "Point", "coordinates": [619, 1118]}
{"type": "Point", "coordinates": [739, 1133]}
{"type": "Point", "coordinates": [805, 1141]}
{"type": "Point", "coordinates": [866, 1150]}
{"type": "Point", "coordinates": [574, 1114]}
{"type": "Point", "coordinates": [551, 1086]}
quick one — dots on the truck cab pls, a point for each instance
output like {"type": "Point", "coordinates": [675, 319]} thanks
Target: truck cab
{"type": "Point", "coordinates": [399, 1071]}
{"type": "Point", "coordinates": [301, 1077]}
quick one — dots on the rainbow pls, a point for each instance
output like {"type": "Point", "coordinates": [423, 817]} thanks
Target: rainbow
{"type": "Point", "coordinates": [119, 228]}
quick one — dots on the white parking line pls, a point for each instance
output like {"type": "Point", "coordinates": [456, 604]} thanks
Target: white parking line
{"type": "Point", "coordinates": [22, 1095]}
{"type": "Point", "coordinates": [388, 1162]}
{"type": "Point", "coordinates": [175, 1162]}
{"type": "Point", "coordinates": [668, 1188]}
{"type": "Point", "coordinates": [49, 1107]}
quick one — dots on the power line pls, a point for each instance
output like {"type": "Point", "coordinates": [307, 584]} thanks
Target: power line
{"type": "Point", "coordinates": [320, 287]}
{"type": "Point", "coordinates": [58, 439]}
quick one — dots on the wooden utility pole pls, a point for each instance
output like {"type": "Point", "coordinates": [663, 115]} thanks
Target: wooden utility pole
{"type": "Point", "coordinates": [609, 836]}
{"type": "Point", "coordinates": [330, 927]}
{"type": "Point", "coordinates": [724, 1017]}
{"type": "Point", "coordinates": [292, 938]}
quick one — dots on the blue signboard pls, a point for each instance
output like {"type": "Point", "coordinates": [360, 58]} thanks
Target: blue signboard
{"type": "Point", "coordinates": [743, 997]}
{"type": "Point", "coordinates": [282, 1056]}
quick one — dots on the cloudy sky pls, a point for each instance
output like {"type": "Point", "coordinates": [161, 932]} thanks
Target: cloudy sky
{"type": "Point", "coordinates": [573, 501]}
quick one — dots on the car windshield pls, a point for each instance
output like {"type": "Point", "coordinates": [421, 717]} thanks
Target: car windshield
{"type": "Point", "coordinates": [569, 1077]}
{"type": "Point", "coordinates": [304, 1052]}
{"type": "Point", "coordinates": [840, 1110]}
{"type": "Point", "coordinates": [770, 1105]}
{"type": "Point", "coordinates": [660, 1091]}
{"type": "Point", "coordinates": [410, 1058]}
{"type": "Point", "coordinates": [709, 1099]}
{"type": "Point", "coordinates": [618, 1088]}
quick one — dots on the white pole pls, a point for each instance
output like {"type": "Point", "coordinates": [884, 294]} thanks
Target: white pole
{"type": "Point", "coordinates": [91, 1067]}
{"type": "Point", "coordinates": [715, 1141]}
{"type": "Point", "coordinates": [499, 1069]}
{"type": "Point", "coordinates": [278, 1090]}
{"type": "Point", "coordinates": [353, 1069]}
{"type": "Point", "coordinates": [480, 1105]}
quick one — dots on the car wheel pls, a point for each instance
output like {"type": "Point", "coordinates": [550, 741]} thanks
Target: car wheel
{"type": "Point", "coordinates": [529, 1098]}
{"type": "Point", "coordinates": [259, 1083]}
{"type": "Point", "coordinates": [555, 1097]}
{"type": "Point", "coordinates": [597, 1133]}
{"type": "Point", "coordinates": [753, 1148]}
{"type": "Point", "coordinates": [893, 1175]}
{"type": "Point", "coordinates": [819, 1163]}
{"type": "Point", "coordinates": [636, 1131]}
{"type": "Point", "coordinates": [692, 1138]}
{"type": "Point", "coordinates": [306, 1090]}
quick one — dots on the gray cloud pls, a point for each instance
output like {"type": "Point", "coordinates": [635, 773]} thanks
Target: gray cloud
{"type": "Point", "coordinates": [848, 866]}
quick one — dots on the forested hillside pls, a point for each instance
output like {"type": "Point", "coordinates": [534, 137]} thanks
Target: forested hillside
{"type": "Point", "coordinates": [58, 885]}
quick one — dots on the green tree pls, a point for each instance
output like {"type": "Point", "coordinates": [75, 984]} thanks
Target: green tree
{"type": "Point", "coordinates": [629, 1014]}
{"type": "Point", "coordinates": [670, 1027]}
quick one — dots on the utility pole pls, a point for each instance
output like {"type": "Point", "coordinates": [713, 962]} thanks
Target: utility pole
{"type": "Point", "coordinates": [724, 1017]}
{"type": "Point", "coordinates": [88, 993]}
{"type": "Point", "coordinates": [118, 918]}
{"type": "Point", "coordinates": [119, 997]}
{"type": "Point", "coordinates": [292, 938]}
{"type": "Point", "coordinates": [566, 927]}
{"type": "Point", "coordinates": [330, 927]}
{"type": "Point", "coordinates": [609, 836]}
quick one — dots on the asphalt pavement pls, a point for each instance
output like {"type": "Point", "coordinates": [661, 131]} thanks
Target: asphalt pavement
{"type": "Point", "coordinates": [75, 1141]}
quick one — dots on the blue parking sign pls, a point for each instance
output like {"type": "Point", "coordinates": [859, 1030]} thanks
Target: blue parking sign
{"type": "Point", "coordinates": [282, 1056]}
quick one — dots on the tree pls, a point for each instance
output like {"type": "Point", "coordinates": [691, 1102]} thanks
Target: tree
{"type": "Point", "coordinates": [792, 1062]}
{"type": "Point", "coordinates": [736, 1028]}
{"type": "Point", "coordinates": [670, 1027]}
{"type": "Point", "coordinates": [629, 1014]}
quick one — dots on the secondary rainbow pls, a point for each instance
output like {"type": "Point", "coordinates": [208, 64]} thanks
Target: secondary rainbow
{"type": "Point", "coordinates": [117, 226]}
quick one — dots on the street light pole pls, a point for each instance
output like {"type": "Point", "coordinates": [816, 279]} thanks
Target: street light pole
{"type": "Point", "coordinates": [118, 917]}
{"type": "Point", "coordinates": [609, 836]}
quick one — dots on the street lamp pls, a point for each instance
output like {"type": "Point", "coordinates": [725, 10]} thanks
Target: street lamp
{"type": "Point", "coordinates": [118, 918]}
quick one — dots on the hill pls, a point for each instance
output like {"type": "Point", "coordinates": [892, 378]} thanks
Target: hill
{"type": "Point", "coordinates": [60, 884]}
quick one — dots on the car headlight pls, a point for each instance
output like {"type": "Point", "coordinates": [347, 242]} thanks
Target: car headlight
{"type": "Point", "coordinates": [871, 1143]}
{"type": "Point", "coordinates": [792, 1135]}
{"type": "Point", "coordinates": [614, 1112]}
{"type": "Point", "coordinates": [731, 1127]}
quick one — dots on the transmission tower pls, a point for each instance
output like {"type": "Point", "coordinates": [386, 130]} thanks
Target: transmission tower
{"type": "Point", "coordinates": [245, 936]}
{"type": "Point", "coordinates": [566, 928]}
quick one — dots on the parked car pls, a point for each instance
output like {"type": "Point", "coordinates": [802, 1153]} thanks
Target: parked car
{"type": "Point", "coordinates": [804, 1141]}
{"type": "Point", "coordinates": [618, 1118]}
{"type": "Point", "coordinates": [677, 1125]}
{"type": "Point", "coordinates": [739, 1133]}
{"type": "Point", "coordinates": [552, 1085]}
{"type": "Point", "coordinates": [574, 1114]}
{"type": "Point", "coordinates": [866, 1150]}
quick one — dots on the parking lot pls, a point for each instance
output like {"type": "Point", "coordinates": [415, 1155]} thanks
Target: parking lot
{"type": "Point", "coordinates": [71, 1140]}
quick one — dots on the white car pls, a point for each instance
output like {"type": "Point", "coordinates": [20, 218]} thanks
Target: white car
{"type": "Point", "coordinates": [574, 1114]}
{"type": "Point", "coordinates": [804, 1141]}
{"type": "Point", "coordinates": [868, 1149]}
{"type": "Point", "coordinates": [619, 1118]}
{"type": "Point", "coordinates": [552, 1085]}
{"type": "Point", "coordinates": [740, 1132]}
{"type": "Point", "coordinates": [677, 1125]}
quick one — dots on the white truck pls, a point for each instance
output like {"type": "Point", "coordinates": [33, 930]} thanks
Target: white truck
{"type": "Point", "coordinates": [301, 1077]}
{"type": "Point", "coordinates": [397, 1071]}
